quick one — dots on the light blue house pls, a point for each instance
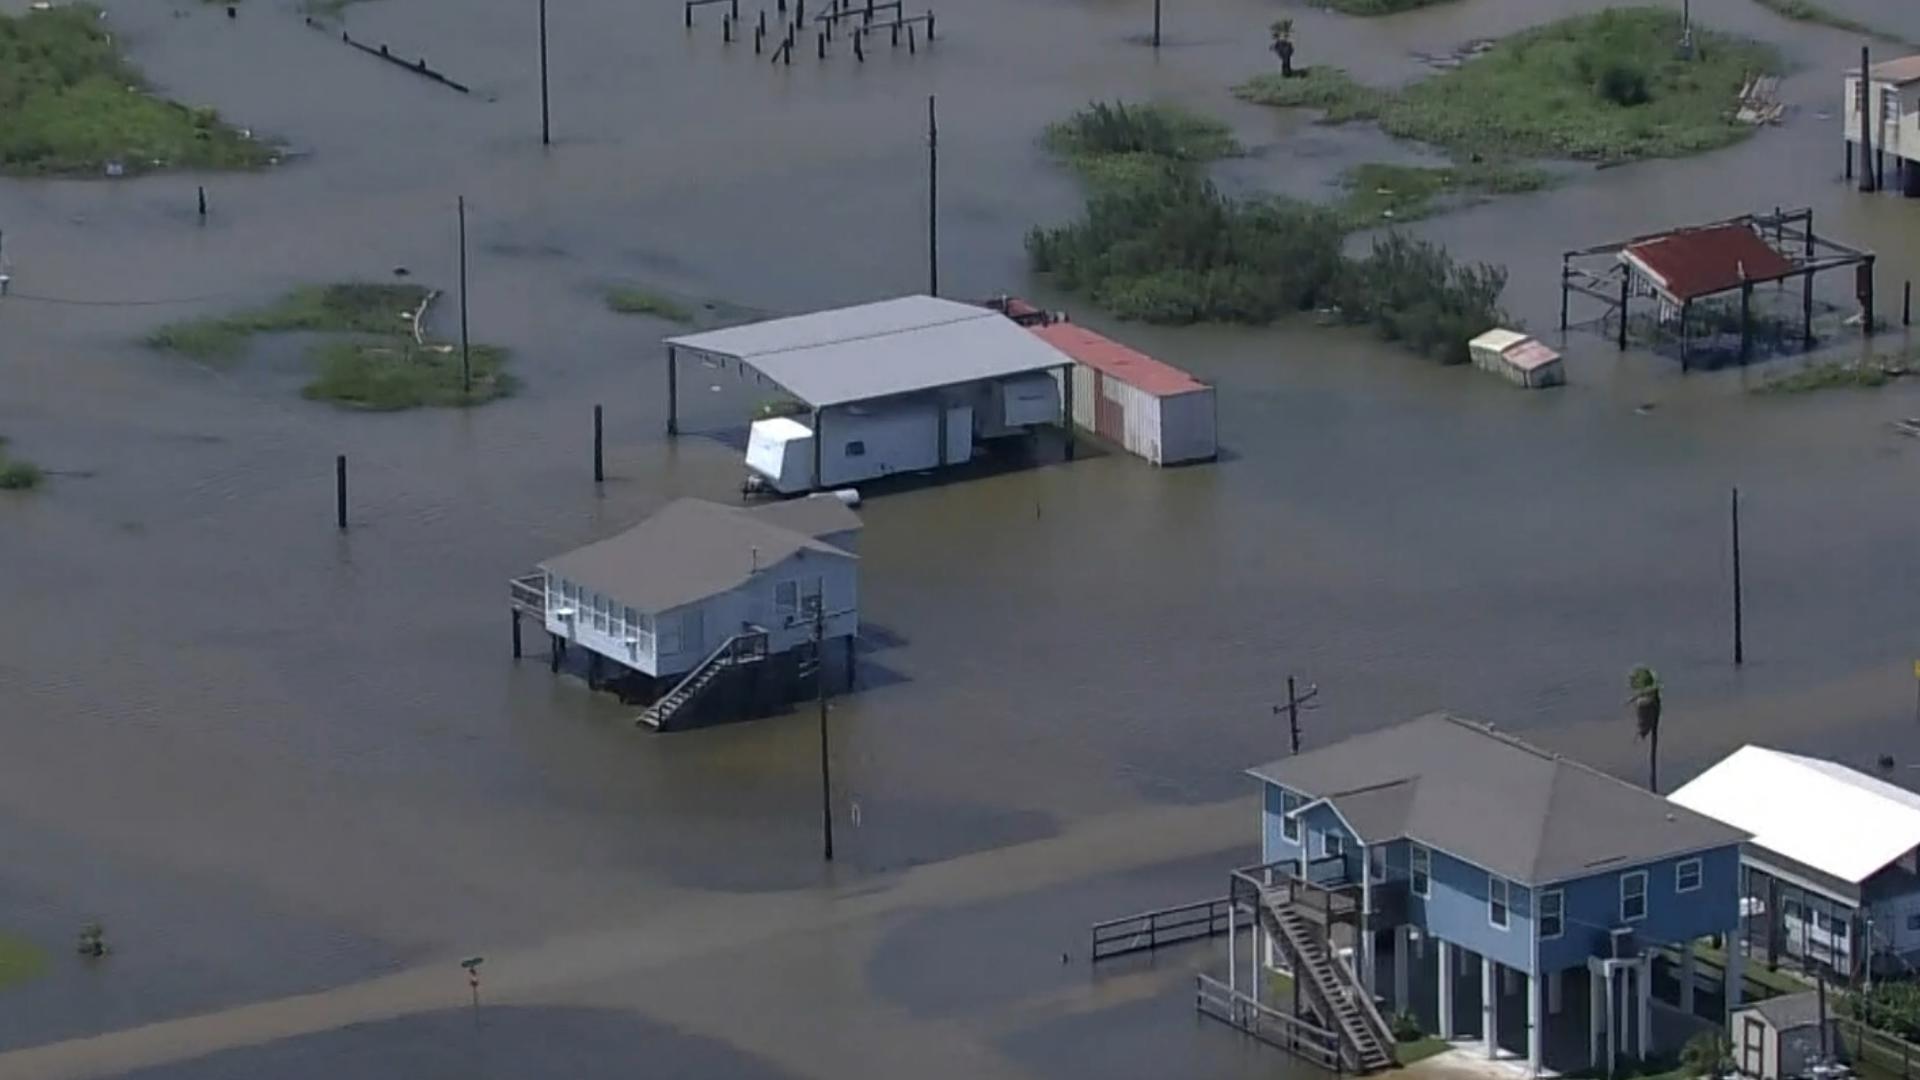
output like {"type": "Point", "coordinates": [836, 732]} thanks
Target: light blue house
{"type": "Point", "coordinates": [1494, 869]}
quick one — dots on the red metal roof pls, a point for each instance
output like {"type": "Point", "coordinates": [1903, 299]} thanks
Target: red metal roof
{"type": "Point", "coordinates": [1691, 263]}
{"type": "Point", "coordinates": [1117, 361]}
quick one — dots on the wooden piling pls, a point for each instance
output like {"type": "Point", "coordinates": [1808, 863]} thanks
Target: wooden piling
{"type": "Point", "coordinates": [515, 612]}
{"type": "Point", "coordinates": [1906, 304]}
{"type": "Point", "coordinates": [929, 25]}
{"type": "Point", "coordinates": [859, 50]}
{"type": "Point", "coordinates": [554, 651]}
{"type": "Point", "coordinates": [820, 40]}
{"type": "Point", "coordinates": [759, 32]}
{"type": "Point", "coordinates": [911, 47]}
{"type": "Point", "coordinates": [1626, 283]}
{"type": "Point", "coordinates": [340, 490]}
{"type": "Point", "coordinates": [203, 202]}
{"type": "Point", "coordinates": [689, 15]}
{"type": "Point", "coordinates": [599, 461]}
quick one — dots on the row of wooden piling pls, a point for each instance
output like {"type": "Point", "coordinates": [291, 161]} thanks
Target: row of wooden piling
{"type": "Point", "coordinates": [837, 11]}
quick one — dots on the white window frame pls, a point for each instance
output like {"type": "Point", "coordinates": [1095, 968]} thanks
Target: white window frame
{"type": "Point", "coordinates": [1504, 907]}
{"type": "Point", "coordinates": [601, 608]}
{"type": "Point", "coordinates": [1289, 824]}
{"type": "Point", "coordinates": [1631, 875]}
{"type": "Point", "coordinates": [1420, 870]}
{"type": "Point", "coordinates": [1332, 844]}
{"type": "Point", "coordinates": [1679, 872]}
{"type": "Point", "coordinates": [1556, 899]}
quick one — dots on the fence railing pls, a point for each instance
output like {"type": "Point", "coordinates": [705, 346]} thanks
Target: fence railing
{"type": "Point", "coordinates": [1165, 926]}
{"type": "Point", "coordinates": [1875, 1053]}
{"type": "Point", "coordinates": [1280, 1030]}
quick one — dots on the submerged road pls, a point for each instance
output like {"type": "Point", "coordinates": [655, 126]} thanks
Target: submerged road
{"type": "Point", "coordinates": [732, 967]}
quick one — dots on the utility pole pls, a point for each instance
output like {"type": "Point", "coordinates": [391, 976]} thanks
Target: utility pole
{"type": "Point", "coordinates": [466, 366]}
{"type": "Point", "coordinates": [933, 201]}
{"type": "Point", "coordinates": [1156, 23]}
{"type": "Point", "coordinates": [546, 130]}
{"type": "Point", "coordinates": [820, 696]}
{"type": "Point", "coordinates": [1866, 126]}
{"type": "Point", "coordinates": [1739, 643]}
{"type": "Point", "coordinates": [1292, 707]}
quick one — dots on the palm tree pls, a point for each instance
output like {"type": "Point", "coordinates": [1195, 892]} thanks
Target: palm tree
{"type": "Point", "coordinates": [1645, 699]}
{"type": "Point", "coordinates": [1283, 45]}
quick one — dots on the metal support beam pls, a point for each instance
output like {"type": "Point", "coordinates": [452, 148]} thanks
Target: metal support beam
{"type": "Point", "coordinates": [1626, 284]}
{"type": "Point", "coordinates": [673, 391]}
{"type": "Point", "coordinates": [1566, 272]}
{"type": "Point", "coordinates": [1746, 320]}
{"type": "Point", "coordinates": [819, 437]}
{"type": "Point", "coordinates": [1066, 409]}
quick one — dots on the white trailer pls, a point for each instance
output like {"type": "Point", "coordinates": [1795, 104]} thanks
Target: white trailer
{"type": "Point", "coordinates": [862, 442]}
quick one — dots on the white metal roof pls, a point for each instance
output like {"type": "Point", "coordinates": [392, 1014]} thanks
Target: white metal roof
{"type": "Point", "coordinates": [1499, 340]}
{"type": "Point", "coordinates": [1818, 813]}
{"type": "Point", "coordinates": [880, 349]}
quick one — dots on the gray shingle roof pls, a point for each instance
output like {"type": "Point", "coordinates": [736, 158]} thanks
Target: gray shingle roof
{"type": "Point", "coordinates": [691, 549]}
{"type": "Point", "coordinates": [816, 515]}
{"type": "Point", "coordinates": [1482, 795]}
{"type": "Point", "coordinates": [1791, 1011]}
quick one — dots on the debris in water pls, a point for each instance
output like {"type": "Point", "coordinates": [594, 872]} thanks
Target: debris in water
{"type": "Point", "coordinates": [1645, 407]}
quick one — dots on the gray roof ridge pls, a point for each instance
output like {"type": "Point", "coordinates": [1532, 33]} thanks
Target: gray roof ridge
{"type": "Point", "coordinates": [914, 329]}
{"type": "Point", "coordinates": [1379, 785]}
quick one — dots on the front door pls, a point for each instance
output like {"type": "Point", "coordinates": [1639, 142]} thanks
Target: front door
{"type": "Point", "coordinates": [1751, 1035]}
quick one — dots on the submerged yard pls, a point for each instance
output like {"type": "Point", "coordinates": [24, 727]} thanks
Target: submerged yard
{"type": "Point", "coordinates": [74, 106]}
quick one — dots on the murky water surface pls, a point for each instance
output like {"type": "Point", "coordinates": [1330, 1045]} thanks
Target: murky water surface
{"type": "Point", "coordinates": [276, 758]}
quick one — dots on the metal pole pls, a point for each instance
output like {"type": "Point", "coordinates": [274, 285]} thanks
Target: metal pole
{"type": "Point", "coordinates": [1866, 127]}
{"type": "Point", "coordinates": [546, 128]}
{"type": "Point", "coordinates": [599, 467]}
{"type": "Point", "coordinates": [466, 365]}
{"type": "Point", "coordinates": [933, 200]}
{"type": "Point", "coordinates": [1293, 715]}
{"type": "Point", "coordinates": [1156, 23]}
{"type": "Point", "coordinates": [340, 490]}
{"type": "Point", "coordinates": [820, 695]}
{"type": "Point", "coordinates": [673, 371]}
{"type": "Point", "coordinates": [1739, 643]}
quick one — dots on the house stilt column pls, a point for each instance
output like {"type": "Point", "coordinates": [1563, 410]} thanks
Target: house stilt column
{"type": "Point", "coordinates": [1490, 1005]}
{"type": "Point", "coordinates": [1534, 1030]}
{"type": "Point", "coordinates": [1233, 946]}
{"type": "Point", "coordinates": [1556, 992]}
{"type": "Point", "coordinates": [1400, 946]}
{"type": "Point", "coordinates": [1643, 986]}
{"type": "Point", "coordinates": [1736, 978]}
{"type": "Point", "coordinates": [1687, 976]}
{"type": "Point", "coordinates": [1595, 1016]}
{"type": "Point", "coordinates": [1446, 988]}
{"type": "Point", "coordinates": [1613, 1019]}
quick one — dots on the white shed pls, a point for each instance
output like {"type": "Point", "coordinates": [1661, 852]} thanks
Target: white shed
{"type": "Point", "coordinates": [1780, 1037]}
{"type": "Point", "coordinates": [1125, 396]}
{"type": "Point", "coordinates": [1517, 358]}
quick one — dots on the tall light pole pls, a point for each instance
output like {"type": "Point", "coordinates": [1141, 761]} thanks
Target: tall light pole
{"type": "Point", "coordinates": [820, 696]}
{"type": "Point", "coordinates": [933, 201]}
{"type": "Point", "coordinates": [546, 130]}
{"type": "Point", "coordinates": [466, 366]}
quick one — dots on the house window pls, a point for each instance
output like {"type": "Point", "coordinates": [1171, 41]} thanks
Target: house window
{"type": "Point", "coordinates": [1289, 825]}
{"type": "Point", "coordinates": [1913, 922]}
{"type": "Point", "coordinates": [1377, 863]}
{"type": "Point", "coordinates": [1497, 901]}
{"type": "Point", "coordinates": [857, 448]}
{"type": "Point", "coordinates": [1633, 896]}
{"type": "Point", "coordinates": [1331, 846]}
{"type": "Point", "coordinates": [600, 613]}
{"type": "Point", "coordinates": [617, 622]}
{"type": "Point", "coordinates": [1553, 919]}
{"type": "Point", "coordinates": [553, 592]}
{"type": "Point", "coordinates": [669, 634]}
{"type": "Point", "coordinates": [1420, 869]}
{"type": "Point", "coordinates": [1686, 875]}
{"type": "Point", "coordinates": [1890, 107]}
{"type": "Point", "coordinates": [786, 598]}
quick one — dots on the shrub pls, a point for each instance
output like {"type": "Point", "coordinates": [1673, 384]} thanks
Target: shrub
{"type": "Point", "coordinates": [1623, 83]}
{"type": "Point", "coordinates": [1708, 1053]}
{"type": "Point", "coordinates": [1406, 1027]}
{"type": "Point", "coordinates": [1167, 131]}
{"type": "Point", "coordinates": [1411, 291]}
{"type": "Point", "coordinates": [1893, 1007]}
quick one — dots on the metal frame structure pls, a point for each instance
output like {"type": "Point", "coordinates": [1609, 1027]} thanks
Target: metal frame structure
{"type": "Point", "coordinates": [1788, 232]}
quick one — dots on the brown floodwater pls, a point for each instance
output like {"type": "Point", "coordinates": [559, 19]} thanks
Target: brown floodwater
{"type": "Point", "coordinates": [275, 758]}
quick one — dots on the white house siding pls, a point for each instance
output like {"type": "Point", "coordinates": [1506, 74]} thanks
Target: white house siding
{"type": "Point", "coordinates": [1187, 427]}
{"type": "Point", "coordinates": [1901, 136]}
{"type": "Point", "coordinates": [674, 641]}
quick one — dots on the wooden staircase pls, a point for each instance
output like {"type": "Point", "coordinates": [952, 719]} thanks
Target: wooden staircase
{"type": "Point", "coordinates": [1335, 996]}
{"type": "Point", "coordinates": [749, 646]}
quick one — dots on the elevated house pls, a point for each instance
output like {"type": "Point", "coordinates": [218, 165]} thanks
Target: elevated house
{"type": "Point", "coordinates": [1527, 891]}
{"type": "Point", "coordinates": [1892, 119]}
{"type": "Point", "coordinates": [701, 598]}
{"type": "Point", "coordinates": [1830, 878]}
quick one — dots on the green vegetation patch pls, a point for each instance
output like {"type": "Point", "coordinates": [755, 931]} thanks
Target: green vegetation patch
{"type": "Point", "coordinates": [1605, 87]}
{"type": "Point", "coordinates": [352, 307]}
{"type": "Point", "coordinates": [1160, 243]}
{"type": "Point", "coordinates": [397, 374]}
{"type": "Point", "coordinates": [370, 358]}
{"type": "Point", "coordinates": [1382, 194]}
{"type": "Point", "coordinates": [1837, 375]}
{"type": "Point", "coordinates": [1377, 7]}
{"type": "Point", "coordinates": [16, 474]}
{"type": "Point", "coordinates": [20, 961]}
{"type": "Point", "coordinates": [73, 105]}
{"type": "Point", "coordinates": [1158, 131]}
{"type": "Point", "coordinates": [1807, 11]}
{"type": "Point", "coordinates": [633, 300]}
{"type": "Point", "coordinates": [1406, 1053]}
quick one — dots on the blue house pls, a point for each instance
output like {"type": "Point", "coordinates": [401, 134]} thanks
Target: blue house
{"type": "Point", "coordinates": [1490, 869]}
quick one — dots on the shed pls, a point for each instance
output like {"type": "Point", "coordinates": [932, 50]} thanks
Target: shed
{"type": "Point", "coordinates": [894, 386]}
{"type": "Point", "coordinates": [1780, 1037]}
{"type": "Point", "coordinates": [1517, 358]}
{"type": "Point", "coordinates": [1125, 396]}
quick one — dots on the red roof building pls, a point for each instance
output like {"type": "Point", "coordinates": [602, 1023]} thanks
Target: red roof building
{"type": "Point", "coordinates": [1688, 264]}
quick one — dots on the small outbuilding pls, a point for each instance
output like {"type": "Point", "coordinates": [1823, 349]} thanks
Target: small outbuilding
{"type": "Point", "coordinates": [1517, 358]}
{"type": "Point", "coordinates": [1892, 120]}
{"type": "Point", "coordinates": [1150, 408]}
{"type": "Point", "coordinates": [1780, 1037]}
{"type": "Point", "coordinates": [700, 592]}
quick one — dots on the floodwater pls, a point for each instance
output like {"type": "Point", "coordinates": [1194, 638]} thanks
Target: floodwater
{"type": "Point", "coordinates": [276, 759]}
